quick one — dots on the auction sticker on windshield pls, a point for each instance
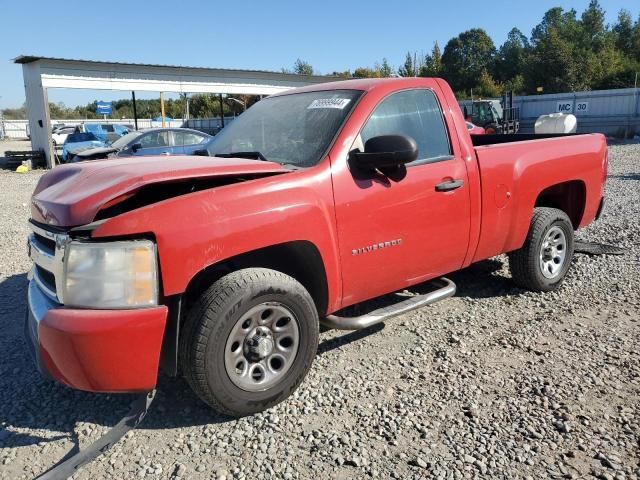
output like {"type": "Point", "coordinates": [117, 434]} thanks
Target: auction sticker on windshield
{"type": "Point", "coordinates": [330, 103]}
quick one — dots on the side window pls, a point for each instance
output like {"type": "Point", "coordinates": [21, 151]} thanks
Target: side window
{"type": "Point", "coordinates": [187, 138]}
{"type": "Point", "coordinates": [415, 113]}
{"type": "Point", "coordinates": [154, 139]}
{"type": "Point", "coordinates": [178, 139]}
{"type": "Point", "coordinates": [191, 138]}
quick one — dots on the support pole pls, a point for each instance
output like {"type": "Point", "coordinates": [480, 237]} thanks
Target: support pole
{"type": "Point", "coordinates": [135, 110]}
{"type": "Point", "coordinates": [162, 107]}
{"type": "Point", "coordinates": [221, 111]}
{"type": "Point", "coordinates": [37, 111]}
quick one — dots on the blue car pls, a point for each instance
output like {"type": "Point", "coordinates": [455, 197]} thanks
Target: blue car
{"type": "Point", "coordinates": [151, 141]}
{"type": "Point", "coordinates": [79, 142]}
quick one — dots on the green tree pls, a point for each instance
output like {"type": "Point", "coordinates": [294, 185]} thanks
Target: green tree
{"type": "Point", "coordinates": [635, 41]}
{"type": "Point", "coordinates": [623, 31]}
{"type": "Point", "coordinates": [207, 105]}
{"type": "Point", "coordinates": [343, 74]}
{"type": "Point", "coordinates": [487, 86]}
{"type": "Point", "coordinates": [384, 68]}
{"type": "Point", "coordinates": [432, 66]}
{"type": "Point", "coordinates": [15, 113]}
{"type": "Point", "coordinates": [379, 70]}
{"type": "Point", "coordinates": [552, 65]}
{"type": "Point", "coordinates": [408, 68]}
{"type": "Point", "coordinates": [465, 57]}
{"type": "Point", "coordinates": [512, 56]}
{"type": "Point", "coordinates": [515, 84]}
{"type": "Point", "coordinates": [564, 24]}
{"type": "Point", "coordinates": [301, 67]}
{"type": "Point", "coordinates": [608, 68]}
{"type": "Point", "coordinates": [593, 27]}
{"type": "Point", "coordinates": [365, 72]}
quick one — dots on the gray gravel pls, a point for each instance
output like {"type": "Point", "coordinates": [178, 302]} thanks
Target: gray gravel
{"type": "Point", "coordinates": [496, 382]}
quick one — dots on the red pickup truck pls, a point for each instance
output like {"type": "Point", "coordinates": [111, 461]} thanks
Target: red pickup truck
{"type": "Point", "coordinates": [223, 266]}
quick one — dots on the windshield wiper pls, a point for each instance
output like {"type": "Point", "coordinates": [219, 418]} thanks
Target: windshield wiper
{"type": "Point", "coordinates": [255, 155]}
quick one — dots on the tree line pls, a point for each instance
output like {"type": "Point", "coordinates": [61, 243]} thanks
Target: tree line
{"type": "Point", "coordinates": [565, 52]}
{"type": "Point", "coordinates": [200, 106]}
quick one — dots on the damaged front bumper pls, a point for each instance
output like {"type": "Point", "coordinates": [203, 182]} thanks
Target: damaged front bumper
{"type": "Point", "coordinates": [94, 350]}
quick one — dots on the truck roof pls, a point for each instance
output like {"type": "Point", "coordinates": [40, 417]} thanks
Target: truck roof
{"type": "Point", "coordinates": [364, 84]}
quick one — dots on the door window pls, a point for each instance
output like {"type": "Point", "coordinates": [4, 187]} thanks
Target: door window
{"type": "Point", "coordinates": [187, 138]}
{"type": "Point", "coordinates": [417, 114]}
{"type": "Point", "coordinates": [155, 139]}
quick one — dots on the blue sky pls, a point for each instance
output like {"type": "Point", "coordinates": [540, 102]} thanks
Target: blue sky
{"type": "Point", "coordinates": [331, 35]}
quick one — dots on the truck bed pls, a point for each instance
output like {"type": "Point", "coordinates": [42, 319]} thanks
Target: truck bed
{"type": "Point", "coordinates": [513, 176]}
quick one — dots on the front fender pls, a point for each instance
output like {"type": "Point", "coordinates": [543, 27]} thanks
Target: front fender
{"type": "Point", "coordinates": [200, 229]}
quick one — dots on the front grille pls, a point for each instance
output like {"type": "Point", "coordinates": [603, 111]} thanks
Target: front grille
{"type": "Point", "coordinates": [46, 249]}
{"type": "Point", "coordinates": [48, 278]}
{"type": "Point", "coordinates": [47, 243]}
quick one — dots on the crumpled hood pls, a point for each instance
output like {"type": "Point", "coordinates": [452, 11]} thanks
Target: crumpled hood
{"type": "Point", "coordinates": [78, 147]}
{"type": "Point", "coordinates": [72, 195]}
{"type": "Point", "coordinates": [95, 151]}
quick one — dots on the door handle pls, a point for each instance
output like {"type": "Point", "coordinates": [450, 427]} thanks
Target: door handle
{"type": "Point", "coordinates": [449, 185]}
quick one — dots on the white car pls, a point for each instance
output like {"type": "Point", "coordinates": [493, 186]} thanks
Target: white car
{"type": "Point", "coordinates": [59, 135]}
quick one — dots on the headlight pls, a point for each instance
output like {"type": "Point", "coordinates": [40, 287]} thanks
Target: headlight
{"type": "Point", "coordinates": [111, 275]}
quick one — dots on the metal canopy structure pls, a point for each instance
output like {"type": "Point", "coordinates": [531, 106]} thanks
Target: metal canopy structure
{"type": "Point", "coordinates": [42, 73]}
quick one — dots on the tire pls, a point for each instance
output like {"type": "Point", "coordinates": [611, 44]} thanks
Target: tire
{"type": "Point", "coordinates": [544, 260]}
{"type": "Point", "coordinates": [212, 360]}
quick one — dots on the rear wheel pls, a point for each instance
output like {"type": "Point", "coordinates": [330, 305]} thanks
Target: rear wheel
{"type": "Point", "coordinates": [544, 259]}
{"type": "Point", "coordinates": [249, 341]}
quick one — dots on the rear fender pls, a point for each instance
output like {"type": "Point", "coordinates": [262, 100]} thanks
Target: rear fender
{"type": "Point", "coordinates": [516, 175]}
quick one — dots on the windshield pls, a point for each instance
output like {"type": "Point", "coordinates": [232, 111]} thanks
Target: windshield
{"type": "Point", "coordinates": [124, 141]}
{"type": "Point", "coordinates": [81, 137]}
{"type": "Point", "coordinates": [497, 110]}
{"type": "Point", "coordinates": [291, 129]}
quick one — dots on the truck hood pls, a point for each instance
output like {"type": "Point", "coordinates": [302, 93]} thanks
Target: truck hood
{"type": "Point", "coordinates": [72, 195]}
{"type": "Point", "coordinates": [97, 152]}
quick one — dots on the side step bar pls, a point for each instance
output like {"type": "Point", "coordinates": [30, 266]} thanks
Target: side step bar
{"type": "Point", "coordinates": [381, 314]}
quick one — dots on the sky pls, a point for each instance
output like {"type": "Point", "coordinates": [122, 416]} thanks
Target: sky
{"type": "Point", "coordinates": [331, 35]}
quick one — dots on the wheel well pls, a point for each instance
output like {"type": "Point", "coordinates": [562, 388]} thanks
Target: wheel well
{"type": "Point", "coordinates": [299, 259]}
{"type": "Point", "coordinates": [569, 197]}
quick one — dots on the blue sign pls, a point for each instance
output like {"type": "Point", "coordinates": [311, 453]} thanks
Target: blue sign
{"type": "Point", "coordinates": [103, 108]}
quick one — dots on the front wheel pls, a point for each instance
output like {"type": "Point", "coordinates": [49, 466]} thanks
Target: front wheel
{"type": "Point", "coordinates": [544, 259]}
{"type": "Point", "coordinates": [249, 341]}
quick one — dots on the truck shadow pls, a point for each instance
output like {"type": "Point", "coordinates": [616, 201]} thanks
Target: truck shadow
{"type": "Point", "coordinates": [483, 280]}
{"type": "Point", "coordinates": [27, 401]}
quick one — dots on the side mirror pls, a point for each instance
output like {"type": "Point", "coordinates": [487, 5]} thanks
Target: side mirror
{"type": "Point", "coordinates": [202, 152]}
{"type": "Point", "coordinates": [386, 151]}
{"type": "Point", "coordinates": [135, 147]}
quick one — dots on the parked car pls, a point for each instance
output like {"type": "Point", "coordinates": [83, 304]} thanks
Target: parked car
{"type": "Point", "coordinates": [474, 129]}
{"type": "Point", "coordinates": [107, 132]}
{"type": "Point", "coordinates": [77, 142]}
{"type": "Point", "coordinates": [59, 135]}
{"type": "Point", "coordinates": [115, 131]}
{"type": "Point", "coordinates": [152, 141]}
{"type": "Point", "coordinates": [313, 200]}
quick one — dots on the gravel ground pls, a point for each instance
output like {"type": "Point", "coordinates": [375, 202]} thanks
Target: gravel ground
{"type": "Point", "coordinates": [496, 382]}
{"type": "Point", "coordinates": [14, 144]}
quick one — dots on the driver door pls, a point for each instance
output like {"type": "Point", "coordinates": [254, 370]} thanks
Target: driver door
{"type": "Point", "coordinates": [158, 142]}
{"type": "Point", "coordinates": [394, 233]}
